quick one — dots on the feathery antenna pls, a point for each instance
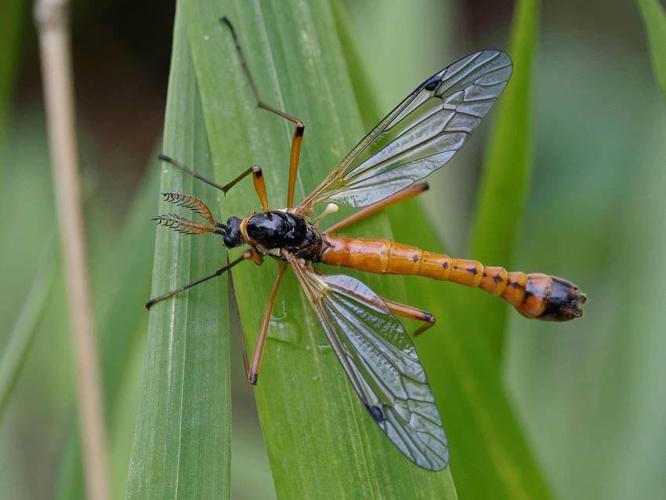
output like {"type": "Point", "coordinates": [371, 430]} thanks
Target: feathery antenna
{"type": "Point", "coordinates": [191, 202]}
{"type": "Point", "coordinates": [186, 226]}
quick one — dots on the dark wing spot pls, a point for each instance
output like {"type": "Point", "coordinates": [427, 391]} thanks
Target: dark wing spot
{"type": "Point", "coordinates": [376, 412]}
{"type": "Point", "coordinates": [432, 84]}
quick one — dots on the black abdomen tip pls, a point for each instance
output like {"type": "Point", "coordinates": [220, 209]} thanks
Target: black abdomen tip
{"type": "Point", "coordinates": [565, 301]}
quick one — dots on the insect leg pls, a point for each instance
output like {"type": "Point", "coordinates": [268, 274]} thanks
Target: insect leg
{"type": "Point", "coordinates": [253, 373]}
{"type": "Point", "coordinates": [297, 139]}
{"type": "Point", "coordinates": [185, 168]}
{"type": "Point", "coordinates": [217, 273]}
{"type": "Point", "coordinates": [257, 179]}
{"type": "Point", "coordinates": [366, 212]}
{"type": "Point", "coordinates": [410, 312]}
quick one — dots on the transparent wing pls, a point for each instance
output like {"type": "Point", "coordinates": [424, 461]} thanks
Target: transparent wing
{"type": "Point", "coordinates": [420, 135]}
{"type": "Point", "coordinates": [381, 363]}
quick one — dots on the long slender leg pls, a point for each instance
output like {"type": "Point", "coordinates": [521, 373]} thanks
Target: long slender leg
{"type": "Point", "coordinates": [297, 139]}
{"type": "Point", "coordinates": [253, 374]}
{"type": "Point", "coordinates": [257, 179]}
{"type": "Point", "coordinates": [412, 313]}
{"type": "Point", "coordinates": [366, 212]}
{"type": "Point", "coordinates": [217, 273]}
{"type": "Point", "coordinates": [185, 168]}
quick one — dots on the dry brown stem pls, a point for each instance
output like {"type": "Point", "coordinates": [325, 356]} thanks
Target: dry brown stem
{"type": "Point", "coordinates": [53, 27]}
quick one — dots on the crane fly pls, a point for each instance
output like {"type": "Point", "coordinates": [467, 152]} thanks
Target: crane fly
{"type": "Point", "coordinates": [419, 136]}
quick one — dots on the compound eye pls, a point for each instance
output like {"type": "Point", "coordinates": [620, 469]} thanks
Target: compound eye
{"type": "Point", "coordinates": [232, 238]}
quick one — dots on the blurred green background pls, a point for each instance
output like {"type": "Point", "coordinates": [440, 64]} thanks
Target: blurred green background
{"type": "Point", "coordinates": [589, 394]}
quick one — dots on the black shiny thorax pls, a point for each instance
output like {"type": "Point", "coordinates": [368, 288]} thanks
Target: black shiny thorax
{"type": "Point", "coordinates": [277, 230]}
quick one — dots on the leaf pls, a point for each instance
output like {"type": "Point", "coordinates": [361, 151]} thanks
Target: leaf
{"type": "Point", "coordinates": [505, 176]}
{"type": "Point", "coordinates": [22, 335]}
{"type": "Point", "coordinates": [182, 437]}
{"type": "Point", "coordinates": [321, 441]}
{"type": "Point", "coordinates": [490, 457]}
{"type": "Point", "coordinates": [654, 19]}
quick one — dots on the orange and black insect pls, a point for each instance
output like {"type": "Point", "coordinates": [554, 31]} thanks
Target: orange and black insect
{"type": "Point", "coordinates": [419, 136]}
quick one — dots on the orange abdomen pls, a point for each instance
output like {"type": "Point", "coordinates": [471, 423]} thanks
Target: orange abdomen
{"type": "Point", "coordinates": [534, 295]}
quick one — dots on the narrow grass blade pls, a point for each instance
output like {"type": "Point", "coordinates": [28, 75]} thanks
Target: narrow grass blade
{"type": "Point", "coordinates": [654, 19]}
{"type": "Point", "coordinates": [21, 336]}
{"type": "Point", "coordinates": [182, 437]}
{"type": "Point", "coordinates": [490, 457]}
{"type": "Point", "coordinates": [506, 174]}
{"type": "Point", "coordinates": [321, 441]}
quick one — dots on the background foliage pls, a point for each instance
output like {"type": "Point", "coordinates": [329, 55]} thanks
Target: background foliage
{"type": "Point", "coordinates": [580, 405]}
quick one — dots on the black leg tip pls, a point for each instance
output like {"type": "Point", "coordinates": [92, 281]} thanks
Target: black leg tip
{"type": "Point", "coordinates": [252, 378]}
{"type": "Point", "coordinates": [150, 304]}
{"type": "Point", "coordinates": [225, 20]}
{"type": "Point", "coordinates": [163, 157]}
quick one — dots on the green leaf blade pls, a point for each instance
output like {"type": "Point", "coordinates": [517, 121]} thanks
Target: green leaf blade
{"type": "Point", "coordinates": [320, 439]}
{"type": "Point", "coordinates": [22, 334]}
{"type": "Point", "coordinates": [654, 19]}
{"type": "Point", "coordinates": [182, 439]}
